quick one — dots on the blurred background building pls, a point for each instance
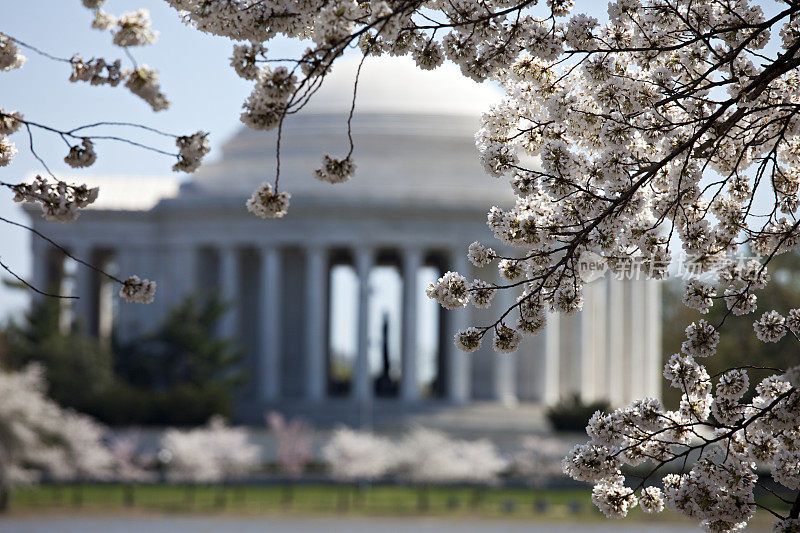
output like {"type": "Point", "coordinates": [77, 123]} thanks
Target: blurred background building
{"type": "Point", "coordinates": [328, 304]}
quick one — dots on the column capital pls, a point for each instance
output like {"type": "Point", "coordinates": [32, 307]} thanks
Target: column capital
{"type": "Point", "coordinates": [79, 249]}
{"type": "Point", "coordinates": [364, 258]}
{"type": "Point", "coordinates": [316, 252]}
{"type": "Point", "coordinates": [228, 248]}
{"type": "Point", "coordinates": [316, 247]}
{"type": "Point", "coordinates": [411, 257]}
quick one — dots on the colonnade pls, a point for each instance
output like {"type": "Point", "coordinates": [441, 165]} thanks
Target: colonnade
{"type": "Point", "coordinates": [609, 351]}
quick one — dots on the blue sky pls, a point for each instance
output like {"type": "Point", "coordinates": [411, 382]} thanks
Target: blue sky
{"type": "Point", "coordinates": [195, 74]}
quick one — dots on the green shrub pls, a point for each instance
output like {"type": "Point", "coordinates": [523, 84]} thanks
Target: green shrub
{"type": "Point", "coordinates": [572, 414]}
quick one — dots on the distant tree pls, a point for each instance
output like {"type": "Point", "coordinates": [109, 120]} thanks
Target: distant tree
{"type": "Point", "coordinates": [182, 350]}
{"type": "Point", "coordinates": [77, 367]}
{"type": "Point", "coordinates": [571, 414]}
{"type": "Point", "coordinates": [429, 456]}
{"type": "Point", "coordinates": [295, 443]}
{"type": "Point", "coordinates": [359, 455]}
{"type": "Point", "coordinates": [181, 373]}
{"type": "Point", "coordinates": [190, 372]}
{"type": "Point", "coordinates": [212, 453]}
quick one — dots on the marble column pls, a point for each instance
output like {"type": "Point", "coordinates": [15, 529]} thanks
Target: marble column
{"type": "Point", "coordinates": [183, 270]}
{"type": "Point", "coordinates": [229, 291]}
{"type": "Point", "coordinates": [106, 291]}
{"type": "Point", "coordinates": [269, 360]}
{"type": "Point", "coordinates": [458, 362]}
{"type": "Point", "coordinates": [409, 384]}
{"type": "Point", "coordinates": [47, 275]}
{"type": "Point", "coordinates": [636, 339]}
{"type": "Point", "coordinates": [593, 338]}
{"type": "Point", "coordinates": [85, 307]}
{"type": "Point", "coordinates": [505, 364]}
{"type": "Point", "coordinates": [316, 311]}
{"type": "Point", "coordinates": [362, 380]}
{"type": "Point", "coordinates": [654, 365]}
{"type": "Point", "coordinates": [551, 392]}
{"type": "Point", "coordinates": [615, 371]}
{"type": "Point", "coordinates": [41, 269]}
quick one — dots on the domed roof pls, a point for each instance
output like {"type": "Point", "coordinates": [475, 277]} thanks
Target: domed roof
{"type": "Point", "coordinates": [413, 133]}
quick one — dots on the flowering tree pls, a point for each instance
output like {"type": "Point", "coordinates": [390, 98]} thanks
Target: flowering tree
{"type": "Point", "coordinates": [212, 453]}
{"type": "Point", "coordinates": [422, 456]}
{"type": "Point", "coordinates": [129, 465]}
{"type": "Point", "coordinates": [295, 443]}
{"type": "Point", "coordinates": [38, 437]}
{"type": "Point", "coordinates": [61, 201]}
{"type": "Point", "coordinates": [358, 455]}
{"type": "Point", "coordinates": [429, 456]}
{"type": "Point", "coordinates": [538, 459]}
{"type": "Point", "coordinates": [672, 119]}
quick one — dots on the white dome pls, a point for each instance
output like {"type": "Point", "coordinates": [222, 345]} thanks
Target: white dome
{"type": "Point", "coordinates": [413, 133]}
{"type": "Point", "coordinates": [397, 85]}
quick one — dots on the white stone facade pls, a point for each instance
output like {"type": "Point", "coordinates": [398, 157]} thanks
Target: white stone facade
{"type": "Point", "coordinates": [419, 198]}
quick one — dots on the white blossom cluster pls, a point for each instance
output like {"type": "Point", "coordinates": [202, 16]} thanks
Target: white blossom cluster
{"type": "Point", "coordinates": [429, 456]}
{"type": "Point", "coordinates": [7, 150]}
{"type": "Point", "coordinates": [135, 290]}
{"type": "Point", "coordinates": [335, 170]}
{"type": "Point", "coordinates": [96, 71]}
{"type": "Point", "coordinates": [60, 201]}
{"type": "Point", "coordinates": [10, 122]}
{"type": "Point", "coordinates": [732, 437]}
{"type": "Point", "coordinates": [10, 56]}
{"type": "Point", "coordinates": [81, 155]}
{"type": "Point", "coordinates": [245, 58]}
{"type": "Point", "coordinates": [191, 149]}
{"type": "Point", "coordinates": [264, 108]}
{"type": "Point", "coordinates": [129, 29]}
{"type": "Point", "coordinates": [480, 255]}
{"type": "Point", "coordinates": [422, 456]}
{"type": "Point", "coordinates": [265, 203]}
{"type": "Point", "coordinates": [39, 437]}
{"type": "Point", "coordinates": [451, 290]}
{"type": "Point", "coordinates": [354, 455]}
{"type": "Point", "coordinates": [212, 453]}
{"type": "Point", "coordinates": [771, 327]}
{"type": "Point", "coordinates": [143, 82]}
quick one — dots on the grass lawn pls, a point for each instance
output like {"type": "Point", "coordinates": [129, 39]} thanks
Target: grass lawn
{"type": "Point", "coordinates": [304, 499]}
{"type": "Point", "coordinates": [309, 499]}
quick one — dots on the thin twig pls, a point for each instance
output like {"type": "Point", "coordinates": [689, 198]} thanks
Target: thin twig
{"type": "Point", "coordinates": [31, 287]}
